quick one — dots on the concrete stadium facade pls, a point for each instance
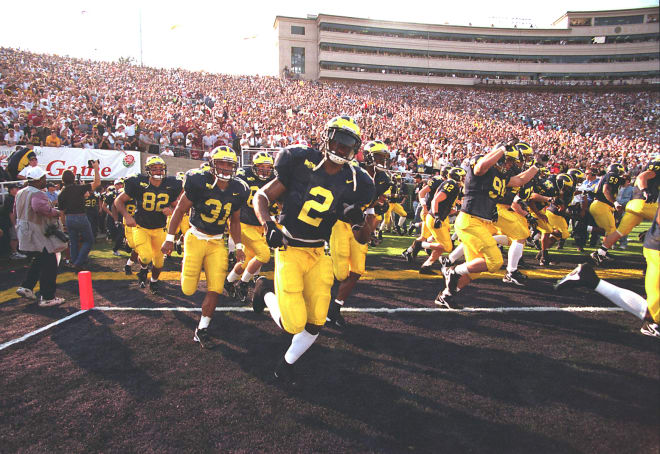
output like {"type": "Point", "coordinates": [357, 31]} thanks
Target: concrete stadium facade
{"type": "Point", "coordinates": [605, 46]}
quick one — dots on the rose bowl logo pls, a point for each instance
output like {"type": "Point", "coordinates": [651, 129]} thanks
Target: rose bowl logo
{"type": "Point", "coordinates": [128, 160]}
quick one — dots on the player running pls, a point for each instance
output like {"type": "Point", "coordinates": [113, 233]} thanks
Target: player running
{"type": "Point", "coordinates": [602, 208]}
{"type": "Point", "coordinates": [315, 188]}
{"type": "Point", "coordinates": [154, 195]}
{"type": "Point", "coordinates": [216, 198]}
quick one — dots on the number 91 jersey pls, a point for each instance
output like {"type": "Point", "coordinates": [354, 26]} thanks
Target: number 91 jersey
{"type": "Point", "coordinates": [151, 200]}
{"type": "Point", "coordinates": [213, 206]}
{"type": "Point", "coordinates": [314, 199]}
{"type": "Point", "coordinates": [482, 193]}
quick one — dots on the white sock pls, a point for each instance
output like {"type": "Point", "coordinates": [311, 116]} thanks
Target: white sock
{"type": "Point", "coordinates": [299, 345]}
{"type": "Point", "coordinates": [153, 280]}
{"type": "Point", "coordinates": [426, 245]}
{"type": "Point", "coordinates": [233, 276]}
{"type": "Point", "coordinates": [402, 220]}
{"type": "Point", "coordinates": [515, 252]}
{"type": "Point", "coordinates": [204, 322]}
{"type": "Point", "coordinates": [624, 298]}
{"type": "Point", "coordinates": [246, 276]}
{"type": "Point", "coordinates": [457, 253]}
{"type": "Point", "coordinates": [602, 251]}
{"type": "Point", "coordinates": [130, 262]}
{"type": "Point", "coordinates": [454, 236]}
{"type": "Point", "coordinates": [462, 269]}
{"type": "Point", "coordinates": [590, 228]}
{"type": "Point", "coordinates": [231, 246]}
{"type": "Point", "coordinates": [273, 307]}
{"type": "Point", "coordinates": [501, 240]}
{"type": "Point", "coordinates": [340, 302]}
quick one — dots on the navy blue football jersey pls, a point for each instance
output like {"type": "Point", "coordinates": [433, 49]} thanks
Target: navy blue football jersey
{"type": "Point", "coordinates": [615, 181]}
{"type": "Point", "coordinates": [314, 199]}
{"type": "Point", "coordinates": [382, 183]}
{"type": "Point", "coordinates": [254, 183]}
{"type": "Point", "coordinates": [151, 200]}
{"type": "Point", "coordinates": [652, 237]}
{"type": "Point", "coordinates": [212, 206]}
{"type": "Point", "coordinates": [481, 193]}
{"type": "Point", "coordinates": [653, 184]}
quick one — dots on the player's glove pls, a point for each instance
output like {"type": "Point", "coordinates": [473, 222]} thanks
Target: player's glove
{"type": "Point", "coordinates": [648, 196]}
{"type": "Point", "coordinates": [274, 236]}
{"type": "Point", "coordinates": [353, 214]}
{"type": "Point", "coordinates": [531, 220]}
{"type": "Point", "coordinates": [438, 222]}
{"type": "Point", "coordinates": [381, 208]}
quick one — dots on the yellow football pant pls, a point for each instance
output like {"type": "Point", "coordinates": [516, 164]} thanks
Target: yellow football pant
{"type": "Point", "coordinates": [128, 234]}
{"type": "Point", "coordinates": [558, 223]}
{"type": "Point", "coordinates": [636, 211]}
{"type": "Point", "coordinates": [147, 245]}
{"type": "Point", "coordinates": [347, 254]}
{"type": "Point", "coordinates": [476, 234]}
{"type": "Point", "coordinates": [543, 226]}
{"type": "Point", "coordinates": [303, 278]}
{"type": "Point", "coordinates": [603, 214]}
{"type": "Point", "coordinates": [252, 237]}
{"type": "Point", "coordinates": [397, 208]}
{"type": "Point", "coordinates": [652, 282]}
{"type": "Point", "coordinates": [211, 255]}
{"type": "Point", "coordinates": [440, 235]}
{"type": "Point", "coordinates": [511, 224]}
{"type": "Point", "coordinates": [184, 225]}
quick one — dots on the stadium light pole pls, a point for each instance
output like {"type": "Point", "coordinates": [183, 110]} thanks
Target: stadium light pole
{"type": "Point", "coordinates": [140, 24]}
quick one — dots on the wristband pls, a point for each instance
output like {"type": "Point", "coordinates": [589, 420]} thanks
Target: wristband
{"type": "Point", "coordinates": [239, 246]}
{"type": "Point", "coordinates": [369, 211]}
{"type": "Point", "coordinates": [169, 237]}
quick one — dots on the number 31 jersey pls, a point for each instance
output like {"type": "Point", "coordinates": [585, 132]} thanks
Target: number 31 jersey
{"type": "Point", "coordinates": [151, 200]}
{"type": "Point", "coordinates": [213, 206]}
{"type": "Point", "coordinates": [314, 199]}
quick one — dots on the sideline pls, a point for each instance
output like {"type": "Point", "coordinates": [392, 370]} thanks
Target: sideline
{"type": "Point", "coordinates": [40, 330]}
{"type": "Point", "coordinates": [370, 275]}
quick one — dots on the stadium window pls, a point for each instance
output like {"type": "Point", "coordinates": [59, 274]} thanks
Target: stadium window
{"type": "Point", "coordinates": [651, 18]}
{"type": "Point", "coordinates": [298, 60]}
{"type": "Point", "coordinates": [580, 22]}
{"type": "Point", "coordinates": [297, 30]}
{"type": "Point", "coordinates": [619, 20]}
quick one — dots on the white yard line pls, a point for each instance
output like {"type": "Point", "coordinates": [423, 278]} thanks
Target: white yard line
{"type": "Point", "coordinates": [40, 330]}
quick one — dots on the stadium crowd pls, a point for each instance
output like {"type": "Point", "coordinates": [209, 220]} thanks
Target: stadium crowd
{"type": "Point", "coordinates": [65, 102]}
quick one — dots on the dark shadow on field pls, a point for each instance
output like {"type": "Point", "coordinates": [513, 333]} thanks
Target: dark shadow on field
{"type": "Point", "coordinates": [367, 374]}
{"type": "Point", "coordinates": [98, 351]}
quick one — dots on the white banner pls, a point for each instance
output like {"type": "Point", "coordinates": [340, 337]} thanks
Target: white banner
{"type": "Point", "coordinates": [113, 164]}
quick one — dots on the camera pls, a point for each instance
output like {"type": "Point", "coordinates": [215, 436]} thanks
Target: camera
{"type": "Point", "coordinates": [53, 230]}
{"type": "Point", "coordinates": [91, 162]}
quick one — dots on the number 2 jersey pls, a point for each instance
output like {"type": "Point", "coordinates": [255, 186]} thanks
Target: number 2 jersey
{"type": "Point", "coordinates": [151, 200]}
{"type": "Point", "coordinates": [314, 199]}
{"type": "Point", "coordinates": [212, 206]}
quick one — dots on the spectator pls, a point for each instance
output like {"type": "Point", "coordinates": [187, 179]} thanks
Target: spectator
{"type": "Point", "coordinates": [8, 222]}
{"type": "Point", "coordinates": [34, 215]}
{"type": "Point", "coordinates": [71, 202]}
{"type": "Point", "coordinates": [53, 140]}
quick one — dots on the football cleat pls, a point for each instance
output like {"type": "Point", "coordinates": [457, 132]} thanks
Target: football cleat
{"type": "Point", "coordinates": [599, 259]}
{"type": "Point", "coordinates": [334, 317]}
{"type": "Point", "coordinates": [142, 277]}
{"type": "Point", "coordinates": [261, 287]}
{"type": "Point", "coordinates": [241, 291]}
{"type": "Point", "coordinates": [445, 261]}
{"type": "Point", "coordinates": [127, 270]}
{"type": "Point", "coordinates": [408, 256]}
{"type": "Point", "coordinates": [446, 301]}
{"type": "Point", "coordinates": [451, 280]}
{"type": "Point", "coordinates": [516, 278]}
{"type": "Point", "coordinates": [426, 270]}
{"type": "Point", "coordinates": [230, 289]}
{"type": "Point", "coordinates": [284, 373]}
{"type": "Point", "coordinates": [582, 276]}
{"type": "Point", "coordinates": [202, 336]}
{"type": "Point", "coordinates": [154, 287]}
{"type": "Point", "coordinates": [650, 329]}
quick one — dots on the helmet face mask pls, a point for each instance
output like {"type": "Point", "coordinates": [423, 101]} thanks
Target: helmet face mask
{"type": "Point", "coordinates": [342, 140]}
{"type": "Point", "coordinates": [457, 174]}
{"type": "Point", "coordinates": [262, 166]}
{"type": "Point", "coordinates": [616, 169]}
{"type": "Point", "coordinates": [156, 168]}
{"type": "Point", "coordinates": [224, 163]}
{"type": "Point", "coordinates": [376, 154]}
{"type": "Point", "coordinates": [564, 183]}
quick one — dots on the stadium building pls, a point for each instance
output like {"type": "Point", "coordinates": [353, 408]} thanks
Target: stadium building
{"type": "Point", "coordinates": [609, 47]}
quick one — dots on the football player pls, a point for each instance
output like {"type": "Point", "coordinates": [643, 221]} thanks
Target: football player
{"type": "Point", "coordinates": [485, 183]}
{"type": "Point", "coordinates": [257, 252]}
{"type": "Point", "coordinates": [602, 208]}
{"type": "Point", "coordinates": [315, 188]}
{"type": "Point", "coordinates": [396, 197]}
{"type": "Point", "coordinates": [648, 310]}
{"type": "Point", "coordinates": [154, 195]}
{"type": "Point", "coordinates": [642, 206]}
{"type": "Point", "coordinates": [216, 198]}
{"type": "Point", "coordinates": [349, 255]}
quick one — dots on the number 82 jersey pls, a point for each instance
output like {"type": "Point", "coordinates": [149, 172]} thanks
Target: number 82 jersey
{"type": "Point", "coordinates": [151, 200]}
{"type": "Point", "coordinates": [213, 206]}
